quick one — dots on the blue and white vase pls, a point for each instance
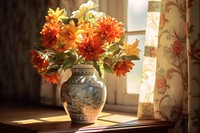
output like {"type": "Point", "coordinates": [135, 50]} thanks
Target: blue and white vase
{"type": "Point", "coordinates": [83, 95]}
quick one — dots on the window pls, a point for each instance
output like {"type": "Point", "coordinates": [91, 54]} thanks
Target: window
{"type": "Point", "coordinates": [124, 91]}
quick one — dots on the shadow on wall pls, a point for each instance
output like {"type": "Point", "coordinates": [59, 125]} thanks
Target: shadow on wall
{"type": "Point", "coordinates": [21, 22]}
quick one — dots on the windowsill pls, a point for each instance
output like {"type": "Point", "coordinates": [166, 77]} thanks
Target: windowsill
{"type": "Point", "coordinates": [121, 108]}
{"type": "Point", "coordinates": [37, 118]}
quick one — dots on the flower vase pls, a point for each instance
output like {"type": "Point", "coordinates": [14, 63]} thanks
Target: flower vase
{"type": "Point", "coordinates": [83, 95]}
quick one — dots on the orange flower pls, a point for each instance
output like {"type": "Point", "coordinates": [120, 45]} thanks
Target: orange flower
{"type": "Point", "coordinates": [109, 28]}
{"type": "Point", "coordinates": [122, 67]}
{"type": "Point", "coordinates": [50, 34]}
{"type": "Point", "coordinates": [51, 78]}
{"type": "Point", "coordinates": [69, 35]}
{"type": "Point", "coordinates": [90, 48]}
{"type": "Point", "coordinates": [38, 62]}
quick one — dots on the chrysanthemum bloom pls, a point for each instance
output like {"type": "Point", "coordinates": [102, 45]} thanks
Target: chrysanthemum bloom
{"type": "Point", "coordinates": [109, 28]}
{"type": "Point", "coordinates": [56, 15]}
{"type": "Point", "coordinates": [38, 62]}
{"type": "Point", "coordinates": [90, 48]}
{"type": "Point", "coordinates": [87, 29]}
{"type": "Point", "coordinates": [50, 34]}
{"type": "Point", "coordinates": [69, 35]}
{"type": "Point", "coordinates": [83, 9]}
{"type": "Point", "coordinates": [131, 49]}
{"type": "Point", "coordinates": [51, 78]}
{"type": "Point", "coordinates": [122, 67]}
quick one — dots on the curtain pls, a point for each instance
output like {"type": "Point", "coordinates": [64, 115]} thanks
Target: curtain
{"type": "Point", "coordinates": [21, 22]}
{"type": "Point", "coordinates": [171, 82]}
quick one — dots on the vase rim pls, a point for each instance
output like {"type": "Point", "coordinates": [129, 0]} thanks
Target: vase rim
{"type": "Point", "coordinates": [82, 66]}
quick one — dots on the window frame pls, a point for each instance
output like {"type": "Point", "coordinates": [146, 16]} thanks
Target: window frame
{"type": "Point", "coordinates": [118, 98]}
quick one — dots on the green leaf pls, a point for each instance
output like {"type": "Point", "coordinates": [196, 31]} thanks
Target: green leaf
{"type": "Point", "coordinates": [109, 60]}
{"type": "Point", "coordinates": [96, 66]}
{"type": "Point", "coordinates": [58, 58]}
{"type": "Point", "coordinates": [130, 57]}
{"type": "Point", "coordinates": [117, 51]}
{"type": "Point", "coordinates": [108, 68]}
{"type": "Point", "coordinates": [121, 42]}
{"type": "Point", "coordinates": [60, 45]}
{"type": "Point", "coordinates": [69, 53]}
{"type": "Point", "coordinates": [114, 48]}
{"type": "Point", "coordinates": [67, 65]}
{"type": "Point", "coordinates": [69, 62]}
{"type": "Point", "coordinates": [53, 68]}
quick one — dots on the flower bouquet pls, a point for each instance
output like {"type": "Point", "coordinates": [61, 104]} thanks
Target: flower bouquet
{"type": "Point", "coordinates": [86, 37]}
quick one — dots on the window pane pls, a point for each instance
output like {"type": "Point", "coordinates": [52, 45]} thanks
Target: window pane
{"type": "Point", "coordinates": [133, 78]}
{"type": "Point", "coordinates": [136, 14]}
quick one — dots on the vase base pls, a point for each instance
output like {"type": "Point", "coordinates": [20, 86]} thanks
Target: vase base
{"type": "Point", "coordinates": [82, 119]}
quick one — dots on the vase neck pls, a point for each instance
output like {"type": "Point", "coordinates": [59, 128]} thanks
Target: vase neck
{"type": "Point", "coordinates": [83, 70]}
{"type": "Point", "coordinates": [83, 75]}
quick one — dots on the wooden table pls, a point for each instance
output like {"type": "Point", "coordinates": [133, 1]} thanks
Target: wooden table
{"type": "Point", "coordinates": [28, 118]}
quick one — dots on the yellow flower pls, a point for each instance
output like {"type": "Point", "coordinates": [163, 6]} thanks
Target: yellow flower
{"type": "Point", "coordinates": [131, 49]}
{"type": "Point", "coordinates": [87, 29]}
{"type": "Point", "coordinates": [69, 35]}
{"type": "Point", "coordinates": [56, 15]}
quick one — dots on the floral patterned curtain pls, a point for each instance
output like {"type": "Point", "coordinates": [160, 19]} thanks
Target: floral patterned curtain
{"type": "Point", "coordinates": [175, 88]}
{"type": "Point", "coordinates": [145, 106]}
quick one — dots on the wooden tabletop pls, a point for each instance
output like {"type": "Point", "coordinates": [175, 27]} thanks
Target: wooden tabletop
{"type": "Point", "coordinates": [25, 118]}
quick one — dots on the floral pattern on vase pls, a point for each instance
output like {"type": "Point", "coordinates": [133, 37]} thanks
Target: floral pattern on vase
{"type": "Point", "coordinates": [83, 95]}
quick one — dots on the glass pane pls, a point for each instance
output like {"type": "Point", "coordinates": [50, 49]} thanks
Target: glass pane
{"type": "Point", "coordinates": [136, 14]}
{"type": "Point", "coordinates": [133, 78]}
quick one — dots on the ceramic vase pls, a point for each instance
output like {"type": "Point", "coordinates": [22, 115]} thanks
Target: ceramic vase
{"type": "Point", "coordinates": [83, 95]}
